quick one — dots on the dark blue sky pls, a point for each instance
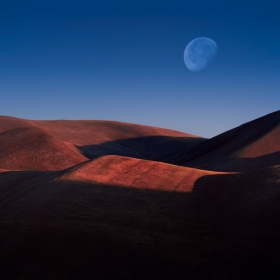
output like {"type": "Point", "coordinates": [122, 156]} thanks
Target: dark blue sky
{"type": "Point", "coordinates": [123, 60]}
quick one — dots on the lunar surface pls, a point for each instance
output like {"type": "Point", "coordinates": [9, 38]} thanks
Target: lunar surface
{"type": "Point", "coordinates": [199, 53]}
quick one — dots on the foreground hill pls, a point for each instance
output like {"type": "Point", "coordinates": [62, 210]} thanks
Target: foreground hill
{"type": "Point", "coordinates": [135, 173]}
{"type": "Point", "coordinates": [250, 146]}
{"type": "Point", "coordinates": [81, 224]}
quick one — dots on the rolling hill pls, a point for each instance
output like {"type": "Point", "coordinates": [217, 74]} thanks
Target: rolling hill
{"type": "Point", "coordinates": [250, 146]}
{"type": "Point", "coordinates": [111, 200]}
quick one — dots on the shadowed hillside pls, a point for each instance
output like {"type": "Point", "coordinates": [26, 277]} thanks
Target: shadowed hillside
{"type": "Point", "coordinates": [159, 148]}
{"type": "Point", "coordinates": [65, 229]}
{"type": "Point", "coordinates": [63, 225]}
{"type": "Point", "coordinates": [250, 146]}
{"type": "Point", "coordinates": [109, 200]}
{"type": "Point", "coordinates": [99, 138]}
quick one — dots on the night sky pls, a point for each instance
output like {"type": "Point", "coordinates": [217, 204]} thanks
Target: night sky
{"type": "Point", "coordinates": [123, 61]}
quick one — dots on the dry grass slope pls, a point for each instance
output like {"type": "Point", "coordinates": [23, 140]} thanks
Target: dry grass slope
{"type": "Point", "coordinates": [136, 173]}
{"type": "Point", "coordinates": [33, 148]}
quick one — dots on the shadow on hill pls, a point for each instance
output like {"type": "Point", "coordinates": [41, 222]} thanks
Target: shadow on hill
{"type": "Point", "coordinates": [260, 136]}
{"type": "Point", "coordinates": [62, 229]}
{"type": "Point", "coordinates": [175, 150]}
{"type": "Point", "coordinates": [245, 221]}
{"type": "Point", "coordinates": [75, 230]}
{"type": "Point", "coordinates": [159, 148]}
{"type": "Point", "coordinates": [231, 164]}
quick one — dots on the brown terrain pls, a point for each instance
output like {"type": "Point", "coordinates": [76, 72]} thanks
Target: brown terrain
{"type": "Point", "coordinates": [111, 200]}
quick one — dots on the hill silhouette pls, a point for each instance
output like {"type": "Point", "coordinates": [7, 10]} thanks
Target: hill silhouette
{"type": "Point", "coordinates": [250, 146]}
{"type": "Point", "coordinates": [111, 200]}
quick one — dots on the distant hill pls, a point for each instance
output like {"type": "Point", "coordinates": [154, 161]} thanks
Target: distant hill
{"type": "Point", "coordinates": [35, 149]}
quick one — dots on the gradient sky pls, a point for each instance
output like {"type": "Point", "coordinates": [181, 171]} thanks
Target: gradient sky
{"type": "Point", "coordinates": [123, 60]}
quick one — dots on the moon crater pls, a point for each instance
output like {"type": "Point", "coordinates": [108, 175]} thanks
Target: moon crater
{"type": "Point", "coordinates": [199, 53]}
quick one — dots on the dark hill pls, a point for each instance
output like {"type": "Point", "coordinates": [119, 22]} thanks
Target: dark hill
{"type": "Point", "coordinates": [253, 145]}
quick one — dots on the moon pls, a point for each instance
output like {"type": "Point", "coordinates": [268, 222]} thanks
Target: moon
{"type": "Point", "coordinates": [199, 53]}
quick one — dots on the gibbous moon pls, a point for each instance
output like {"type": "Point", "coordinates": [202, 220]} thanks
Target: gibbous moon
{"type": "Point", "coordinates": [199, 53]}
